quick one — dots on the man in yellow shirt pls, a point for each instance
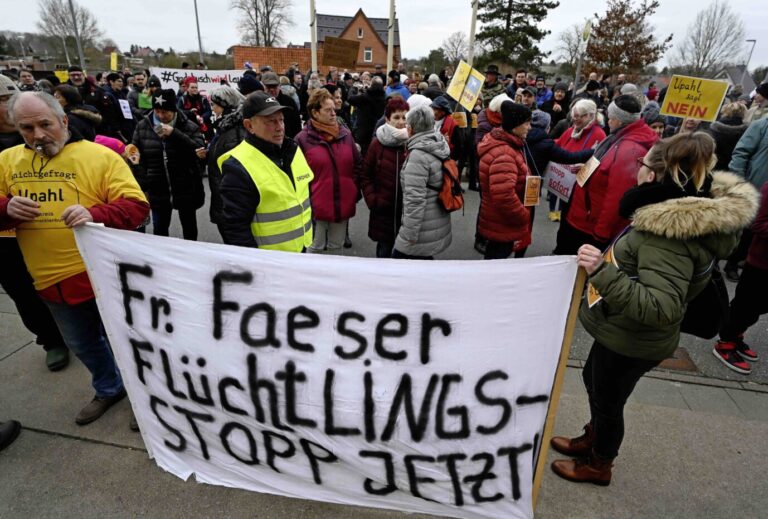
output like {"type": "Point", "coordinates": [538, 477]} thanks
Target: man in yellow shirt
{"type": "Point", "coordinates": [53, 182]}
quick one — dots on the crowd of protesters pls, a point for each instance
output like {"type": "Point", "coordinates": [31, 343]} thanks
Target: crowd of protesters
{"type": "Point", "coordinates": [289, 155]}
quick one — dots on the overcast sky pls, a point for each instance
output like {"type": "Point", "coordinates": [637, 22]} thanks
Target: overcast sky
{"type": "Point", "coordinates": [423, 23]}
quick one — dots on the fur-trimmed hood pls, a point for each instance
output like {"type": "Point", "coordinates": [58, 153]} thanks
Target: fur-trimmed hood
{"type": "Point", "coordinates": [733, 206]}
{"type": "Point", "coordinates": [88, 113]}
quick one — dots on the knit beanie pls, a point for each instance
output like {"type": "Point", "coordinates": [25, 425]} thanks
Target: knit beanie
{"type": "Point", "coordinates": [650, 112]}
{"type": "Point", "coordinates": [164, 100]}
{"type": "Point", "coordinates": [592, 85]}
{"type": "Point", "coordinates": [540, 119]}
{"type": "Point", "coordinates": [113, 144]}
{"type": "Point", "coordinates": [763, 90]}
{"type": "Point", "coordinates": [248, 84]}
{"type": "Point", "coordinates": [496, 102]}
{"type": "Point", "coordinates": [560, 86]}
{"type": "Point", "coordinates": [513, 115]}
{"type": "Point", "coordinates": [625, 108]}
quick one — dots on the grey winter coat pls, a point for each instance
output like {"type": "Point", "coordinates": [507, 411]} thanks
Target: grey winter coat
{"type": "Point", "coordinates": [426, 226]}
{"type": "Point", "coordinates": [750, 157]}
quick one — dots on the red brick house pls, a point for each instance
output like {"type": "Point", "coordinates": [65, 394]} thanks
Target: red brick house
{"type": "Point", "coordinates": [370, 32]}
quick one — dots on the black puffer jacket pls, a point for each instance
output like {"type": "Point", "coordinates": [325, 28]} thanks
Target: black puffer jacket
{"type": "Point", "coordinates": [229, 133]}
{"type": "Point", "coordinates": [726, 132]}
{"type": "Point", "coordinates": [171, 162]}
{"type": "Point", "coordinates": [370, 107]}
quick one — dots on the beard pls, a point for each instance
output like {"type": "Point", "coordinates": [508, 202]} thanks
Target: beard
{"type": "Point", "coordinates": [48, 148]}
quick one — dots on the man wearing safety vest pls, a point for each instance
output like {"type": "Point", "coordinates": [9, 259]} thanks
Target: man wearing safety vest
{"type": "Point", "coordinates": [265, 183]}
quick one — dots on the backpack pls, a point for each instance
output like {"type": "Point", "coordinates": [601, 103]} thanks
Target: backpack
{"type": "Point", "coordinates": [450, 194]}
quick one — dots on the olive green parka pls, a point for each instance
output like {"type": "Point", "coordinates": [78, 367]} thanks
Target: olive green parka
{"type": "Point", "coordinates": [662, 262]}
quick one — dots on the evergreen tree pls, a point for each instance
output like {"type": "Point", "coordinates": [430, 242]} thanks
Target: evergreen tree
{"type": "Point", "coordinates": [511, 31]}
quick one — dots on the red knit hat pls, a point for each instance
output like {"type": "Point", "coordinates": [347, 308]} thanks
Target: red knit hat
{"type": "Point", "coordinates": [188, 80]}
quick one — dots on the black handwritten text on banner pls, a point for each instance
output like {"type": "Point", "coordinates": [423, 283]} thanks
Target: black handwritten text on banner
{"type": "Point", "coordinates": [420, 386]}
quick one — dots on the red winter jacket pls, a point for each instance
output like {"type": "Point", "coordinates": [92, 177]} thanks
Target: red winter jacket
{"type": "Point", "coordinates": [594, 209]}
{"type": "Point", "coordinates": [336, 166]}
{"type": "Point", "coordinates": [503, 218]}
{"type": "Point", "coordinates": [588, 138]}
{"type": "Point", "coordinates": [448, 129]}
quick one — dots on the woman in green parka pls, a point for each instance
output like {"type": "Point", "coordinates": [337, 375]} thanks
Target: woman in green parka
{"type": "Point", "coordinates": [684, 219]}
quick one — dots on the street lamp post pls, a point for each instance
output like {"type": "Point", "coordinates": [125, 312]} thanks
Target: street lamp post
{"type": "Point", "coordinates": [199, 39]}
{"type": "Point", "coordinates": [77, 35]}
{"type": "Point", "coordinates": [746, 67]}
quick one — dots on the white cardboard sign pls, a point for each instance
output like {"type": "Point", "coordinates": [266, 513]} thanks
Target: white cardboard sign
{"type": "Point", "coordinates": [348, 380]}
{"type": "Point", "coordinates": [559, 180]}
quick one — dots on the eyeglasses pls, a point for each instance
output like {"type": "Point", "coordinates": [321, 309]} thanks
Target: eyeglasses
{"type": "Point", "coordinates": [640, 163]}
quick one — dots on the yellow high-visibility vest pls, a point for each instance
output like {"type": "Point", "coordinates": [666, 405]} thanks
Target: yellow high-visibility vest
{"type": "Point", "coordinates": [283, 219]}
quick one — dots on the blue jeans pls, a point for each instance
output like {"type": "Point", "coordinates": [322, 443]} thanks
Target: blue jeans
{"type": "Point", "coordinates": [83, 333]}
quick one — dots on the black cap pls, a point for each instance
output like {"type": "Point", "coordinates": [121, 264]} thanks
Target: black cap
{"type": "Point", "coordinates": [592, 85]}
{"type": "Point", "coordinates": [492, 69]}
{"type": "Point", "coordinates": [529, 89]}
{"type": "Point", "coordinates": [762, 89]}
{"type": "Point", "coordinates": [74, 68]}
{"type": "Point", "coordinates": [154, 81]}
{"type": "Point", "coordinates": [260, 104]}
{"type": "Point", "coordinates": [441, 103]}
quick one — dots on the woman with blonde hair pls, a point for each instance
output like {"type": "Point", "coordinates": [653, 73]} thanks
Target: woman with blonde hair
{"type": "Point", "coordinates": [683, 220]}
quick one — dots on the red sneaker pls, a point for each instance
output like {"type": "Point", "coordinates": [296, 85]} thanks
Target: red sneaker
{"type": "Point", "coordinates": [726, 353]}
{"type": "Point", "coordinates": [745, 351]}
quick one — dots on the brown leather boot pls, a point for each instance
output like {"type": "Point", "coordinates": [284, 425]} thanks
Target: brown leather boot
{"type": "Point", "coordinates": [592, 469]}
{"type": "Point", "coordinates": [577, 447]}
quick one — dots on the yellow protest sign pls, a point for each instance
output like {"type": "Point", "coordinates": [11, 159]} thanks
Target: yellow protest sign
{"type": "Point", "coordinates": [694, 97]}
{"type": "Point", "coordinates": [63, 75]}
{"type": "Point", "coordinates": [466, 85]}
{"type": "Point", "coordinates": [113, 61]}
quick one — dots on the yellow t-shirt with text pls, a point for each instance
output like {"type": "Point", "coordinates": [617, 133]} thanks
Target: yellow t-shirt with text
{"type": "Point", "coordinates": [82, 173]}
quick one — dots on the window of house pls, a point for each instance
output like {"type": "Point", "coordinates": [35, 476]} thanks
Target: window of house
{"type": "Point", "coordinates": [360, 32]}
{"type": "Point", "coordinates": [368, 55]}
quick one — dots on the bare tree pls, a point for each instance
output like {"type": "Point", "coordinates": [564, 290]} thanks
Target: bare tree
{"type": "Point", "coordinates": [569, 42]}
{"type": "Point", "coordinates": [456, 47]}
{"type": "Point", "coordinates": [713, 40]}
{"type": "Point", "coordinates": [56, 21]}
{"type": "Point", "coordinates": [263, 22]}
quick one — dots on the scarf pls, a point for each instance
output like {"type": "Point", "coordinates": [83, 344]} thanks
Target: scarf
{"type": "Point", "coordinates": [328, 132]}
{"type": "Point", "coordinates": [390, 136]}
{"type": "Point", "coordinates": [657, 192]}
{"type": "Point", "coordinates": [576, 134]}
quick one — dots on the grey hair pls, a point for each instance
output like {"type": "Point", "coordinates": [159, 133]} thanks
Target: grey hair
{"type": "Point", "coordinates": [584, 106]}
{"type": "Point", "coordinates": [45, 97]}
{"type": "Point", "coordinates": [421, 119]}
{"type": "Point", "coordinates": [226, 96]}
{"type": "Point", "coordinates": [376, 80]}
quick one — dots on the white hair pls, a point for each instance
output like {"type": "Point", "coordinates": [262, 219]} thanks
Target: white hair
{"type": "Point", "coordinates": [584, 106]}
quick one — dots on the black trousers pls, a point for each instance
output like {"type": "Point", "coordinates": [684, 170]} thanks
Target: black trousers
{"type": "Point", "coordinates": [740, 252]}
{"type": "Point", "coordinates": [498, 250]}
{"type": "Point", "coordinates": [17, 283]}
{"type": "Point", "coordinates": [749, 303]}
{"type": "Point", "coordinates": [610, 378]}
{"type": "Point", "coordinates": [161, 222]}
{"type": "Point", "coordinates": [569, 239]}
{"type": "Point", "coordinates": [384, 249]}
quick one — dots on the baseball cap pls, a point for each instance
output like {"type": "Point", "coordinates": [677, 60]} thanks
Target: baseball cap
{"type": "Point", "coordinates": [260, 104]}
{"type": "Point", "coordinates": [7, 87]}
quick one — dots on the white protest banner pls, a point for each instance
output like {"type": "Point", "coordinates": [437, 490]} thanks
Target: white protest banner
{"type": "Point", "coordinates": [419, 386]}
{"type": "Point", "coordinates": [559, 180]}
{"type": "Point", "coordinates": [206, 79]}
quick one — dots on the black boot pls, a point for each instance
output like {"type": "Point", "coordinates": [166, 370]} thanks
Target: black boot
{"type": "Point", "coordinates": [9, 431]}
